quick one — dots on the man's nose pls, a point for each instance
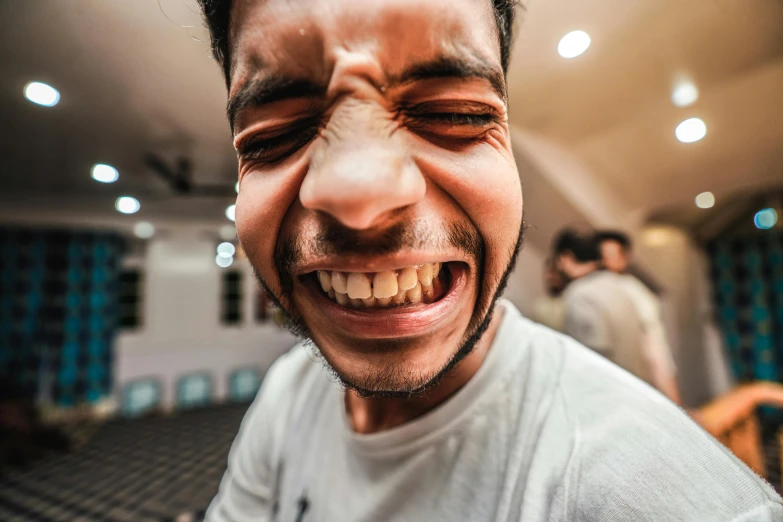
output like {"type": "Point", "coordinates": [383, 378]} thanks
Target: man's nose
{"type": "Point", "coordinates": [361, 171]}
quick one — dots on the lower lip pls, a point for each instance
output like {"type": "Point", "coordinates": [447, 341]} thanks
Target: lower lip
{"type": "Point", "coordinates": [396, 322]}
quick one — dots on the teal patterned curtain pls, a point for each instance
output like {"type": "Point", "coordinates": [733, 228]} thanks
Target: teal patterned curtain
{"type": "Point", "coordinates": [58, 313]}
{"type": "Point", "coordinates": [747, 275]}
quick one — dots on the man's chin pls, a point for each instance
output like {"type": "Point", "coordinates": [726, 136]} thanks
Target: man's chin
{"type": "Point", "coordinates": [402, 367]}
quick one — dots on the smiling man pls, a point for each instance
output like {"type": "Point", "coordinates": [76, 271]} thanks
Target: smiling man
{"type": "Point", "coordinates": [381, 208]}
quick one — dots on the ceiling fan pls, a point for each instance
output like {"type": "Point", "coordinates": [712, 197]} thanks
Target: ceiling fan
{"type": "Point", "coordinates": [179, 178]}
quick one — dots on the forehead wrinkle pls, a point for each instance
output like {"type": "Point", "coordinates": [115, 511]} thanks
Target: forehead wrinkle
{"type": "Point", "coordinates": [296, 36]}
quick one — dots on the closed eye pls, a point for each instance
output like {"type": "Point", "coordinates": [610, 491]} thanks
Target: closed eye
{"type": "Point", "coordinates": [276, 148]}
{"type": "Point", "coordinates": [458, 118]}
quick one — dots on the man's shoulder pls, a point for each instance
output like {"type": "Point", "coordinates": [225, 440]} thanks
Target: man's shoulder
{"type": "Point", "coordinates": [596, 287]}
{"type": "Point", "coordinates": [635, 448]}
{"type": "Point", "coordinates": [294, 366]}
{"type": "Point", "coordinates": [292, 375]}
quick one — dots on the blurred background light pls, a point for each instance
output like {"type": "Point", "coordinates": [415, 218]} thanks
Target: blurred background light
{"type": "Point", "coordinates": [41, 94]}
{"type": "Point", "coordinates": [127, 205]}
{"type": "Point", "coordinates": [691, 130]}
{"type": "Point", "coordinates": [228, 233]}
{"type": "Point", "coordinates": [231, 212]}
{"type": "Point", "coordinates": [766, 219]}
{"type": "Point", "coordinates": [656, 237]}
{"type": "Point", "coordinates": [224, 262]}
{"type": "Point", "coordinates": [705, 200]}
{"type": "Point", "coordinates": [144, 230]}
{"type": "Point", "coordinates": [226, 249]}
{"type": "Point", "coordinates": [104, 173]}
{"type": "Point", "coordinates": [236, 187]}
{"type": "Point", "coordinates": [573, 44]}
{"type": "Point", "coordinates": [685, 94]}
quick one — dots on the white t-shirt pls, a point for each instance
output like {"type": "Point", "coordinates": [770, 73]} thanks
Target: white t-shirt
{"type": "Point", "coordinates": [656, 345]}
{"type": "Point", "coordinates": [600, 313]}
{"type": "Point", "coordinates": [546, 430]}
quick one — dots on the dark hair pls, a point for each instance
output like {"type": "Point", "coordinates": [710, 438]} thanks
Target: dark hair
{"type": "Point", "coordinates": [613, 235]}
{"type": "Point", "coordinates": [217, 15]}
{"type": "Point", "coordinates": [583, 246]}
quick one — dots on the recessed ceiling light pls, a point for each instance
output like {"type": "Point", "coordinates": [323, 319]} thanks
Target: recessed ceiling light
{"type": "Point", "coordinates": [691, 130]}
{"type": "Point", "coordinates": [41, 94]}
{"type": "Point", "coordinates": [127, 205]}
{"type": "Point", "coordinates": [685, 94]}
{"type": "Point", "coordinates": [573, 44]}
{"type": "Point", "coordinates": [231, 211]}
{"type": "Point", "coordinates": [223, 262]}
{"type": "Point", "coordinates": [144, 230]}
{"type": "Point", "coordinates": [765, 219]}
{"type": "Point", "coordinates": [705, 200]}
{"type": "Point", "coordinates": [226, 249]}
{"type": "Point", "coordinates": [104, 173]}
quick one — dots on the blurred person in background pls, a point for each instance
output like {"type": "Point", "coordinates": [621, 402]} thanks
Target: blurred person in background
{"type": "Point", "coordinates": [615, 248]}
{"type": "Point", "coordinates": [549, 309]}
{"type": "Point", "coordinates": [381, 207]}
{"type": "Point", "coordinates": [599, 312]}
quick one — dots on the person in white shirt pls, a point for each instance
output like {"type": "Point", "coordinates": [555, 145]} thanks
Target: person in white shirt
{"type": "Point", "coordinates": [599, 312]}
{"type": "Point", "coordinates": [615, 248]}
{"type": "Point", "coordinates": [381, 208]}
{"type": "Point", "coordinates": [549, 309]}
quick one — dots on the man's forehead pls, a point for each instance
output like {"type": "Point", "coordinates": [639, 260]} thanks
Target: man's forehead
{"type": "Point", "coordinates": [301, 36]}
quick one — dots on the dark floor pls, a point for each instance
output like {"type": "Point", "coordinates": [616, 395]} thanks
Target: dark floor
{"type": "Point", "coordinates": [153, 469]}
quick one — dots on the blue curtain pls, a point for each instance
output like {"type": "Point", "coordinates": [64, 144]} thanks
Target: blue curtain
{"type": "Point", "coordinates": [747, 275]}
{"type": "Point", "coordinates": [58, 313]}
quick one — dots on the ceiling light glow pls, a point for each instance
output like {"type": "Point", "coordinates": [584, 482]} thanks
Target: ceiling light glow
{"type": "Point", "coordinates": [573, 44]}
{"type": "Point", "coordinates": [144, 230]}
{"type": "Point", "coordinates": [104, 173]}
{"type": "Point", "coordinates": [685, 94]}
{"type": "Point", "coordinates": [226, 249]}
{"type": "Point", "coordinates": [231, 212]}
{"type": "Point", "coordinates": [127, 205]}
{"type": "Point", "coordinates": [766, 219]}
{"type": "Point", "coordinates": [41, 94]}
{"type": "Point", "coordinates": [224, 262]}
{"type": "Point", "coordinates": [705, 200]}
{"type": "Point", "coordinates": [691, 130]}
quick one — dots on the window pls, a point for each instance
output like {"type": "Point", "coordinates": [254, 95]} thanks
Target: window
{"type": "Point", "coordinates": [130, 298]}
{"type": "Point", "coordinates": [231, 312]}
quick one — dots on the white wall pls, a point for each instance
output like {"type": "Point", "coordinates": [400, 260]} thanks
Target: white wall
{"type": "Point", "coordinates": [526, 284]}
{"type": "Point", "coordinates": [180, 330]}
{"type": "Point", "coordinates": [674, 259]}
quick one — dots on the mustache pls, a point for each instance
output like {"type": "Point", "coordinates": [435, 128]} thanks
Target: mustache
{"type": "Point", "coordinates": [335, 239]}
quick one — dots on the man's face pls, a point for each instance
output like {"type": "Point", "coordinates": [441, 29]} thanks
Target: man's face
{"type": "Point", "coordinates": [614, 256]}
{"type": "Point", "coordinates": [379, 204]}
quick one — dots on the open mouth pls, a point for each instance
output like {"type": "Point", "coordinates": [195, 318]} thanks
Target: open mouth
{"type": "Point", "coordinates": [426, 283]}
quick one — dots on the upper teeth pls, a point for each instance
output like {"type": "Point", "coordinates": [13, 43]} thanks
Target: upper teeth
{"type": "Point", "coordinates": [382, 288]}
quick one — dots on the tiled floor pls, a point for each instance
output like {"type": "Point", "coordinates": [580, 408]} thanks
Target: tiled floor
{"type": "Point", "coordinates": [154, 469]}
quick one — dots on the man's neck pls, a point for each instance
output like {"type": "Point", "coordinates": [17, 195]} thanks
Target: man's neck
{"type": "Point", "coordinates": [583, 269]}
{"type": "Point", "coordinates": [371, 415]}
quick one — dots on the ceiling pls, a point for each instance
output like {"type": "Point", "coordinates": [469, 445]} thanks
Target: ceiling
{"type": "Point", "coordinates": [136, 77]}
{"type": "Point", "coordinates": [611, 109]}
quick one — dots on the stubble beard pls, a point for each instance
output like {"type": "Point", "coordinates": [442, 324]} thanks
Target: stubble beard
{"type": "Point", "coordinates": [391, 381]}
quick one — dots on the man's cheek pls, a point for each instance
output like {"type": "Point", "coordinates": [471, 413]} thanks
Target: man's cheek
{"type": "Point", "coordinates": [258, 234]}
{"type": "Point", "coordinates": [486, 185]}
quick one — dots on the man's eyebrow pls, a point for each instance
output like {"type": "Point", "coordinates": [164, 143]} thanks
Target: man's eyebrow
{"type": "Point", "coordinates": [452, 67]}
{"type": "Point", "coordinates": [270, 89]}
